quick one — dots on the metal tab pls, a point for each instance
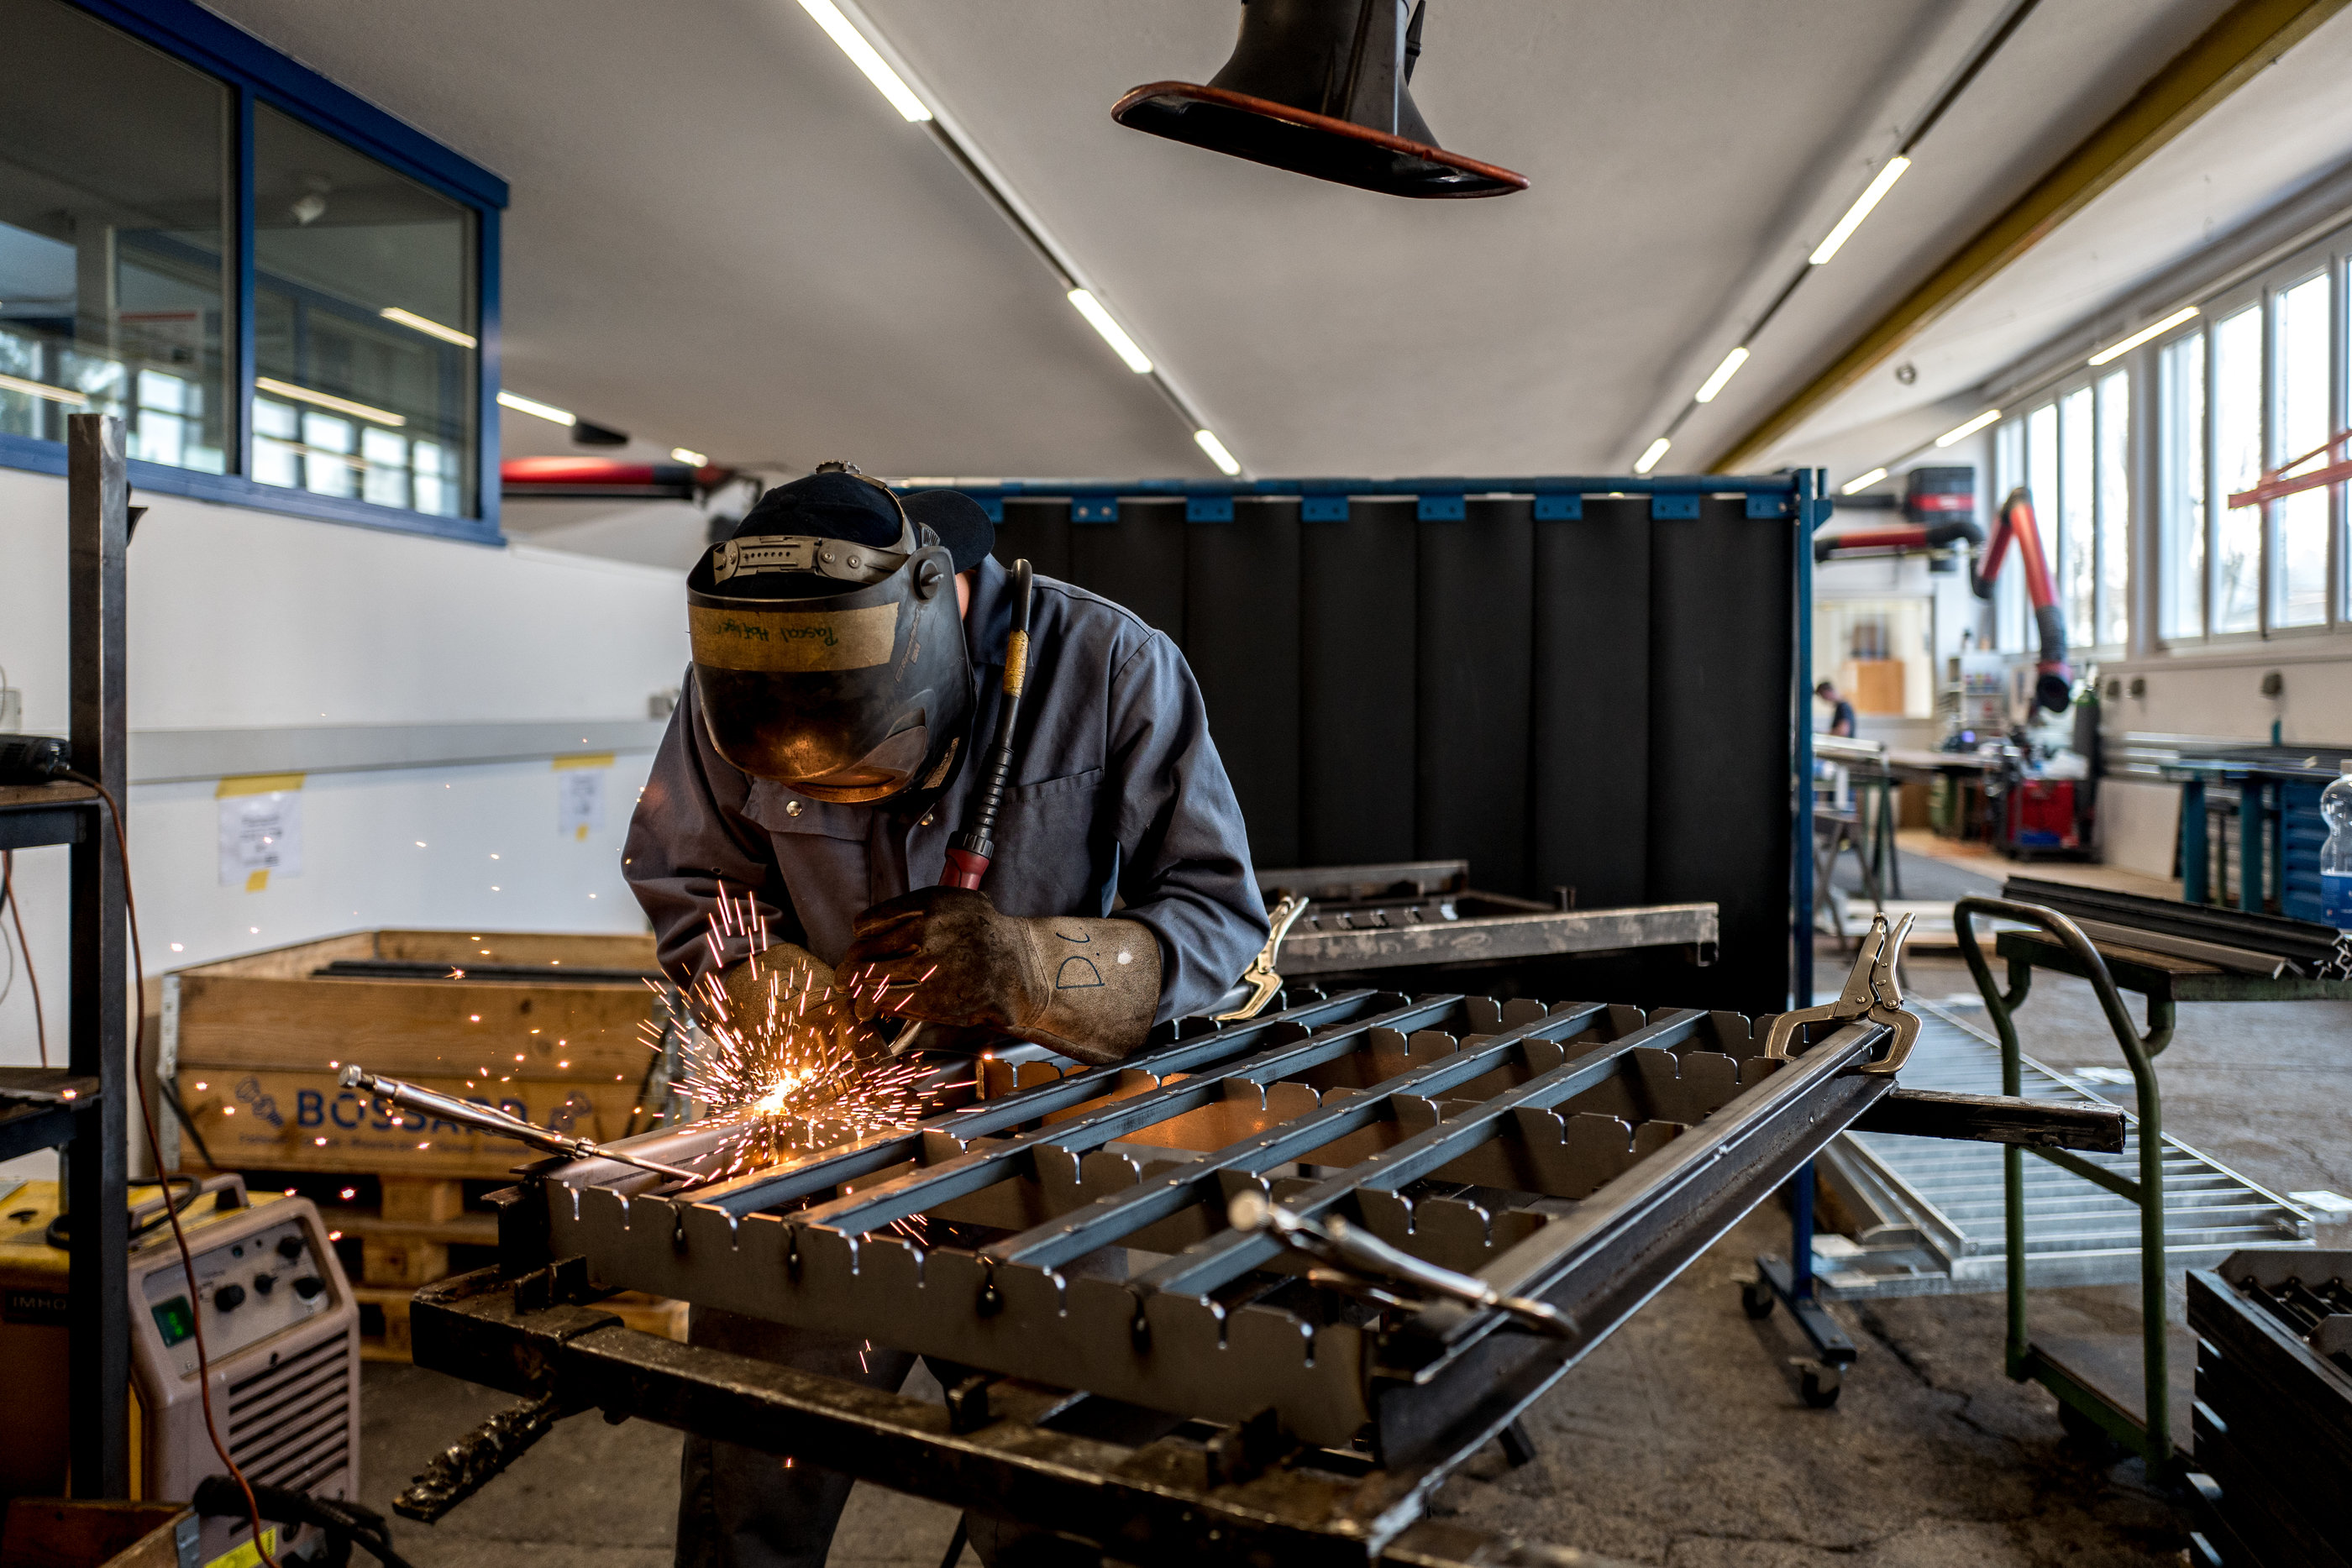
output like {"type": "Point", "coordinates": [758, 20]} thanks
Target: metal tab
{"type": "Point", "coordinates": [1441, 510]}
{"type": "Point", "coordinates": [1095, 509]}
{"type": "Point", "coordinates": [1665, 508]}
{"type": "Point", "coordinates": [1208, 509]}
{"type": "Point", "coordinates": [1767, 504]}
{"type": "Point", "coordinates": [1323, 509]}
{"type": "Point", "coordinates": [1559, 509]}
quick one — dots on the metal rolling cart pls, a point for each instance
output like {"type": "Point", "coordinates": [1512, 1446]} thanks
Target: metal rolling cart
{"type": "Point", "coordinates": [2112, 964]}
{"type": "Point", "coordinates": [79, 1108]}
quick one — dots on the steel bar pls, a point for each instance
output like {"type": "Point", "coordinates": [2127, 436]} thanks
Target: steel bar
{"type": "Point", "coordinates": [1601, 1259]}
{"type": "Point", "coordinates": [1202, 1056]}
{"type": "Point", "coordinates": [1161, 1502]}
{"type": "Point", "coordinates": [876, 1207]}
{"type": "Point", "coordinates": [1108, 1219]}
{"type": "Point", "coordinates": [1998, 1119]}
{"type": "Point", "coordinates": [98, 501]}
{"type": "Point", "coordinates": [1492, 937]}
{"type": "Point", "coordinates": [1204, 1267]}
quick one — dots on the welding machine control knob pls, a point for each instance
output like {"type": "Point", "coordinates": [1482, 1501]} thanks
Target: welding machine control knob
{"type": "Point", "coordinates": [227, 1298]}
{"type": "Point", "coordinates": [265, 1283]}
{"type": "Point", "coordinates": [309, 1285]}
{"type": "Point", "coordinates": [290, 1247]}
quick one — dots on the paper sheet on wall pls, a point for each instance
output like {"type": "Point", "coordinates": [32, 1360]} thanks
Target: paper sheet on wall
{"type": "Point", "coordinates": [579, 801]}
{"type": "Point", "coordinates": [260, 836]}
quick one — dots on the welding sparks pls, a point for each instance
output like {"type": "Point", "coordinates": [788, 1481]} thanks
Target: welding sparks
{"type": "Point", "coordinates": [785, 1057]}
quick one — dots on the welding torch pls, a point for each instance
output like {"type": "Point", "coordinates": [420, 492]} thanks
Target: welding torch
{"type": "Point", "coordinates": [488, 1119]}
{"type": "Point", "coordinates": [969, 851]}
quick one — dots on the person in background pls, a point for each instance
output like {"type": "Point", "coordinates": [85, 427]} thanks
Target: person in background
{"type": "Point", "coordinates": [1840, 710]}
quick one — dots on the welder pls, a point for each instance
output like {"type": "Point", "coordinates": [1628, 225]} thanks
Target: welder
{"type": "Point", "coordinates": [847, 645]}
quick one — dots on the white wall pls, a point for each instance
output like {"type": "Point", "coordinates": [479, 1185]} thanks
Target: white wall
{"type": "Point", "coordinates": [241, 619]}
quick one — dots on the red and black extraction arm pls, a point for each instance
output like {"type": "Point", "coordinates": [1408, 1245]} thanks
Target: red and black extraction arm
{"type": "Point", "coordinates": [1940, 506]}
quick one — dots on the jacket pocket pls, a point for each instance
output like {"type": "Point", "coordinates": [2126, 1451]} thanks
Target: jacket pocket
{"type": "Point", "coordinates": [781, 812]}
{"type": "Point", "coordinates": [1049, 842]}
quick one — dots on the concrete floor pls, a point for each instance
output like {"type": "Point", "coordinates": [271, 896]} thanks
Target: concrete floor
{"type": "Point", "coordinates": [1682, 1440]}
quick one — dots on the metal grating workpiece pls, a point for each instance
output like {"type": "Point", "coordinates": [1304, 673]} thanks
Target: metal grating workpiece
{"type": "Point", "coordinates": [1075, 1232]}
{"type": "Point", "coordinates": [1932, 1209]}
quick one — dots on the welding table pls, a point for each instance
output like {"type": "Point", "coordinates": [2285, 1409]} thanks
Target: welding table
{"type": "Point", "coordinates": [1221, 1402]}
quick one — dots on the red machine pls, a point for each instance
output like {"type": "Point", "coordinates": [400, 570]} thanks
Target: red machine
{"type": "Point", "coordinates": [606, 478]}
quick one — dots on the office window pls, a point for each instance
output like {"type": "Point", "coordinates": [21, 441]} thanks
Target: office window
{"type": "Point", "coordinates": [114, 296]}
{"type": "Point", "coordinates": [2114, 510]}
{"type": "Point", "coordinates": [2237, 392]}
{"type": "Point", "coordinates": [364, 323]}
{"type": "Point", "coordinates": [2301, 423]}
{"type": "Point", "coordinates": [2075, 510]}
{"type": "Point", "coordinates": [2180, 515]}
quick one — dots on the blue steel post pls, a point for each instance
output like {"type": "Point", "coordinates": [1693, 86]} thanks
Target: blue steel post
{"type": "Point", "coordinates": [1813, 509]}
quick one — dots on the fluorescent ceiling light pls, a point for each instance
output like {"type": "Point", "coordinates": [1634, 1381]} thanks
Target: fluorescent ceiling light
{"type": "Point", "coordinates": [340, 404]}
{"type": "Point", "coordinates": [532, 406]}
{"type": "Point", "coordinates": [861, 55]}
{"type": "Point", "coordinates": [1961, 432]}
{"type": "Point", "coordinates": [1856, 486]}
{"type": "Point", "coordinates": [430, 327]}
{"type": "Point", "coordinates": [1723, 373]}
{"type": "Point", "coordinates": [1649, 458]}
{"type": "Point", "coordinates": [1859, 211]}
{"type": "Point", "coordinates": [2119, 351]}
{"type": "Point", "coordinates": [35, 389]}
{"type": "Point", "coordinates": [688, 456]}
{"type": "Point", "coordinates": [1112, 332]}
{"type": "Point", "coordinates": [1216, 450]}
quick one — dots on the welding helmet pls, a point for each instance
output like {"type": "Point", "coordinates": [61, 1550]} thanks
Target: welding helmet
{"type": "Point", "coordinates": [828, 651]}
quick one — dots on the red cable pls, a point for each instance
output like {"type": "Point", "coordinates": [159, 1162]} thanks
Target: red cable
{"type": "Point", "coordinates": [171, 1210]}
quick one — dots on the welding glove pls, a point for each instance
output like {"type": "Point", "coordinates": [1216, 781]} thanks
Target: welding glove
{"type": "Point", "coordinates": [764, 995]}
{"type": "Point", "coordinates": [1086, 987]}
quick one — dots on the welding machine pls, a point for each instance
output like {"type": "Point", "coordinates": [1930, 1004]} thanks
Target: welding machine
{"type": "Point", "coordinates": [281, 1333]}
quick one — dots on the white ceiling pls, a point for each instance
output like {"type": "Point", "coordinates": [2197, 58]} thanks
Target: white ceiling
{"type": "Point", "coordinates": [722, 237]}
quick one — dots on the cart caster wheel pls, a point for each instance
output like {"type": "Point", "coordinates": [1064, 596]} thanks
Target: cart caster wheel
{"type": "Point", "coordinates": [1821, 1384]}
{"type": "Point", "coordinates": [1756, 1299]}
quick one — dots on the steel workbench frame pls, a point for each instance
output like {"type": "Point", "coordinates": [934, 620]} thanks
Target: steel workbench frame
{"type": "Point", "coordinates": [81, 1108]}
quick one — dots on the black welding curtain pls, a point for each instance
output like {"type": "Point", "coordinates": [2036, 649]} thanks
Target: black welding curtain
{"type": "Point", "coordinates": [1600, 704]}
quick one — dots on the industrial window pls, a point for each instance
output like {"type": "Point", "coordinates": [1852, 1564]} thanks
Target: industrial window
{"type": "Point", "coordinates": [114, 292]}
{"type": "Point", "coordinates": [2251, 396]}
{"type": "Point", "coordinates": [2180, 517]}
{"type": "Point", "coordinates": [2072, 453]}
{"type": "Point", "coordinates": [322, 353]}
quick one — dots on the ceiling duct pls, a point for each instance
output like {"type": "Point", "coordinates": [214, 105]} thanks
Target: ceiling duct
{"type": "Point", "coordinates": [1318, 87]}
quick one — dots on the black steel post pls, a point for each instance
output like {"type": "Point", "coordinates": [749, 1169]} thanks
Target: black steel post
{"type": "Point", "coordinates": [98, 1353]}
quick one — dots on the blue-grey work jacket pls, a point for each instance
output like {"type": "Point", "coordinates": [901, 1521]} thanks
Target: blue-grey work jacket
{"type": "Point", "coordinates": [1118, 795]}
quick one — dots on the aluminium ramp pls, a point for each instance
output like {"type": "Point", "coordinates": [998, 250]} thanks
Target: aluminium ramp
{"type": "Point", "coordinates": [1931, 1209]}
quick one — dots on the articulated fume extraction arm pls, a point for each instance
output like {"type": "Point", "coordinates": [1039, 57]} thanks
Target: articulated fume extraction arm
{"type": "Point", "coordinates": [1941, 516]}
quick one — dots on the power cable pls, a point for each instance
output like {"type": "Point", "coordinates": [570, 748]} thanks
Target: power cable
{"type": "Point", "coordinates": [155, 1153]}
{"type": "Point", "coordinates": [17, 914]}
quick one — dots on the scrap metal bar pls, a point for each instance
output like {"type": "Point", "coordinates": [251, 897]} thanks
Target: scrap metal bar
{"type": "Point", "coordinates": [1105, 1219]}
{"type": "Point", "coordinates": [1228, 1255]}
{"type": "Point", "coordinates": [1491, 937]}
{"type": "Point", "coordinates": [876, 1207]}
{"type": "Point", "coordinates": [1998, 1119]}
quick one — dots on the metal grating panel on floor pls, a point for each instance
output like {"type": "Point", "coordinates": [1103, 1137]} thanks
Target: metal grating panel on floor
{"type": "Point", "coordinates": [1933, 1212]}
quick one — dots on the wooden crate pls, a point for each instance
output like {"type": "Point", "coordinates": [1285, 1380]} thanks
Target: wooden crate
{"type": "Point", "coordinates": [258, 1044]}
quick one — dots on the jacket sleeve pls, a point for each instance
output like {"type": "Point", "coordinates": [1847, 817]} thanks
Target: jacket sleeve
{"type": "Point", "coordinates": [689, 842]}
{"type": "Point", "coordinates": [1184, 861]}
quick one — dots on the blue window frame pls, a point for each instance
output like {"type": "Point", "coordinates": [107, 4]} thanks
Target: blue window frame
{"type": "Point", "coordinates": [425, 460]}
